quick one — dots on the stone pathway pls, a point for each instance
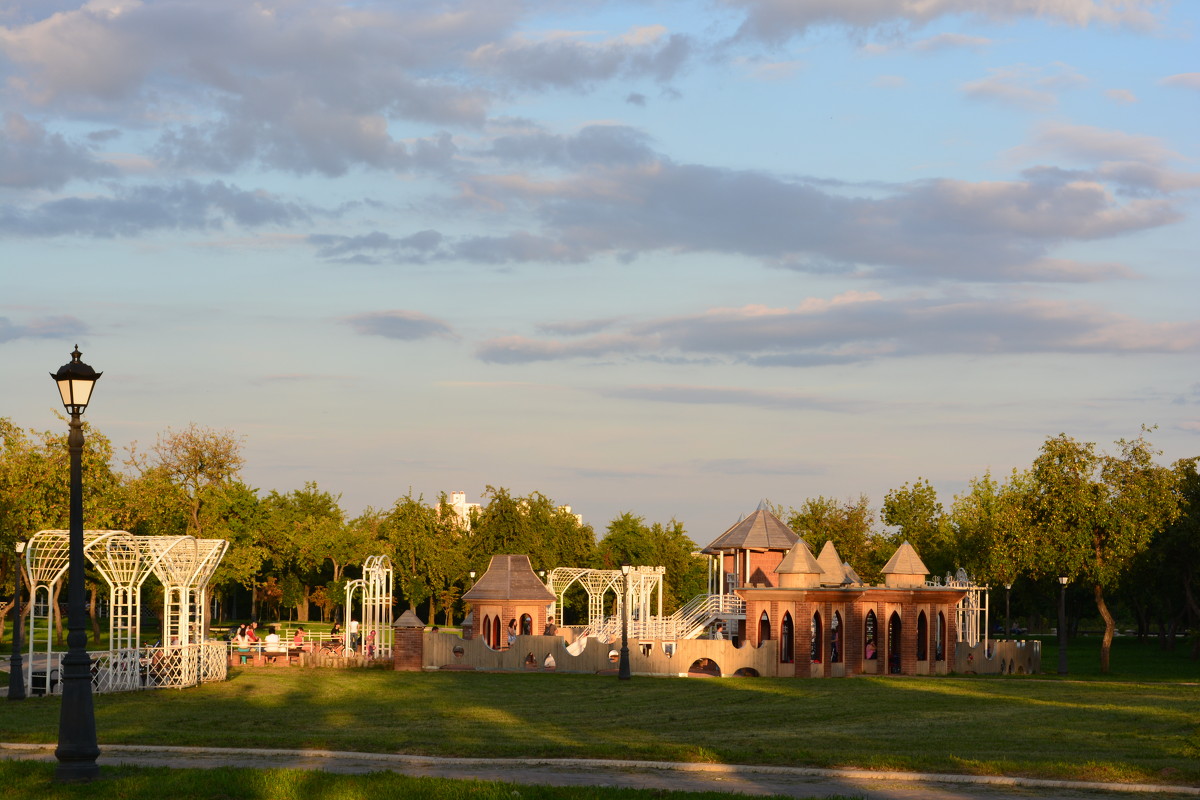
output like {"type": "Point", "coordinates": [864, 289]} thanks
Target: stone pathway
{"type": "Point", "coordinates": [737, 779]}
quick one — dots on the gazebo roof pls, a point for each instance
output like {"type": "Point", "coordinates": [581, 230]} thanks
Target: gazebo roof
{"type": "Point", "coordinates": [762, 530]}
{"type": "Point", "coordinates": [509, 578]}
{"type": "Point", "coordinates": [905, 561]}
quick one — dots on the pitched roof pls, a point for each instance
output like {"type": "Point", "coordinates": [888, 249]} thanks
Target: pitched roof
{"type": "Point", "coordinates": [831, 565]}
{"type": "Point", "coordinates": [851, 575]}
{"type": "Point", "coordinates": [799, 560]}
{"type": "Point", "coordinates": [762, 530]}
{"type": "Point", "coordinates": [509, 578]}
{"type": "Point", "coordinates": [408, 620]}
{"type": "Point", "coordinates": [905, 561]}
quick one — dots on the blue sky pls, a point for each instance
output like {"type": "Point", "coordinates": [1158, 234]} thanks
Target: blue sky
{"type": "Point", "coordinates": [663, 257]}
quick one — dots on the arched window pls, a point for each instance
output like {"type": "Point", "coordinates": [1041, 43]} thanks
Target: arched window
{"type": "Point", "coordinates": [526, 625]}
{"type": "Point", "coordinates": [870, 644]}
{"type": "Point", "coordinates": [487, 631]}
{"type": "Point", "coordinates": [939, 644]}
{"type": "Point", "coordinates": [835, 638]}
{"type": "Point", "coordinates": [922, 637]}
{"type": "Point", "coordinates": [496, 626]}
{"type": "Point", "coordinates": [816, 637]}
{"type": "Point", "coordinates": [787, 640]}
{"type": "Point", "coordinates": [893, 643]}
{"type": "Point", "coordinates": [764, 628]}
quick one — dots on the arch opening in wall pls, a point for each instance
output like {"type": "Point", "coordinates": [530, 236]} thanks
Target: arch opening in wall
{"type": "Point", "coordinates": [870, 640]}
{"type": "Point", "coordinates": [835, 638]}
{"type": "Point", "coordinates": [704, 668]}
{"type": "Point", "coordinates": [764, 628]}
{"type": "Point", "coordinates": [895, 630]}
{"type": "Point", "coordinates": [487, 631]}
{"type": "Point", "coordinates": [922, 637]}
{"type": "Point", "coordinates": [787, 640]}
{"type": "Point", "coordinates": [526, 625]}
{"type": "Point", "coordinates": [939, 640]}
{"type": "Point", "coordinates": [496, 633]}
{"type": "Point", "coordinates": [817, 637]}
{"type": "Point", "coordinates": [746, 672]}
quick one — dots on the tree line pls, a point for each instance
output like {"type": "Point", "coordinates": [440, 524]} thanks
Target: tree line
{"type": "Point", "coordinates": [1122, 528]}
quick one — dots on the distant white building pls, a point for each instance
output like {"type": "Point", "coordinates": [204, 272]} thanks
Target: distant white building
{"type": "Point", "coordinates": [463, 510]}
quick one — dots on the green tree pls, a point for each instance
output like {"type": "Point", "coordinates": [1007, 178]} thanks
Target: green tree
{"type": "Point", "coordinates": [1093, 513]}
{"type": "Point", "coordinates": [302, 529]}
{"type": "Point", "coordinates": [630, 540]}
{"type": "Point", "coordinates": [848, 525]}
{"type": "Point", "coordinates": [194, 459]}
{"type": "Point", "coordinates": [923, 523]}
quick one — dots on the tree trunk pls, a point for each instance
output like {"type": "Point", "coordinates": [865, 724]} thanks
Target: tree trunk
{"type": "Point", "coordinates": [58, 617]}
{"type": "Point", "coordinates": [1110, 627]}
{"type": "Point", "coordinates": [95, 616]}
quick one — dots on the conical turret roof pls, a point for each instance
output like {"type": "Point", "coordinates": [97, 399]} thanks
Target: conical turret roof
{"type": "Point", "coordinates": [905, 561]}
{"type": "Point", "coordinates": [799, 561]}
{"type": "Point", "coordinates": [834, 574]}
{"type": "Point", "coordinates": [509, 578]}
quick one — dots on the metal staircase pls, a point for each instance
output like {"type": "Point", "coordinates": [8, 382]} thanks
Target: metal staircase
{"type": "Point", "coordinates": [688, 622]}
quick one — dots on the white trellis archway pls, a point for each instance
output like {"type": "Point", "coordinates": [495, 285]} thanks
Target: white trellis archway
{"type": "Point", "coordinates": [644, 582]}
{"type": "Point", "coordinates": [183, 564]}
{"type": "Point", "coordinates": [374, 593]}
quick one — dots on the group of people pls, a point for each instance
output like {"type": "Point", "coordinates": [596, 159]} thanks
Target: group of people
{"type": "Point", "coordinates": [246, 640]}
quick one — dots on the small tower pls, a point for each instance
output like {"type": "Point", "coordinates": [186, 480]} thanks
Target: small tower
{"type": "Point", "coordinates": [509, 596]}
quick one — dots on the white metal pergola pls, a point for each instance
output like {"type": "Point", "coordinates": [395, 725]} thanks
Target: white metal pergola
{"type": "Point", "coordinates": [183, 564]}
{"type": "Point", "coordinates": [644, 583]}
{"type": "Point", "coordinates": [374, 593]}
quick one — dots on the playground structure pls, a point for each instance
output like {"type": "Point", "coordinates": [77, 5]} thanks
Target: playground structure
{"type": "Point", "coordinates": [184, 565]}
{"type": "Point", "coordinates": [772, 609]}
{"type": "Point", "coordinates": [374, 594]}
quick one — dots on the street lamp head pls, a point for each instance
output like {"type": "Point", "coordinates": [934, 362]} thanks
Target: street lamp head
{"type": "Point", "coordinates": [1063, 580]}
{"type": "Point", "coordinates": [625, 567]}
{"type": "Point", "coordinates": [472, 574]}
{"type": "Point", "coordinates": [75, 380]}
{"type": "Point", "coordinates": [1008, 587]}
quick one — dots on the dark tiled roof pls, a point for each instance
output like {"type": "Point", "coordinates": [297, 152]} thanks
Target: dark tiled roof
{"type": "Point", "coordinates": [762, 530]}
{"type": "Point", "coordinates": [408, 620]}
{"type": "Point", "coordinates": [509, 578]}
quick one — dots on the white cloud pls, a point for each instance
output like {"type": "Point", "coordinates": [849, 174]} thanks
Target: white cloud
{"type": "Point", "coordinates": [1024, 86]}
{"type": "Point", "coordinates": [1184, 80]}
{"type": "Point", "coordinates": [864, 328]}
{"type": "Point", "coordinates": [1122, 96]}
{"type": "Point", "coordinates": [776, 20]}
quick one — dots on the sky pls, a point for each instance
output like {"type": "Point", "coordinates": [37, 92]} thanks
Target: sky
{"type": "Point", "coordinates": [671, 258]}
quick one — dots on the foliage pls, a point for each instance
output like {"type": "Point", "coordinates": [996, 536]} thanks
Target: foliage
{"type": "Point", "coordinates": [1092, 514]}
{"type": "Point", "coordinates": [631, 540]}
{"type": "Point", "coordinates": [848, 525]}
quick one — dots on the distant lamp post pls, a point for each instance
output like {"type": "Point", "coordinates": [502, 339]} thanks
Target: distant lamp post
{"type": "Point", "coordinates": [1062, 626]}
{"type": "Point", "coordinates": [77, 750]}
{"type": "Point", "coordinates": [472, 574]}
{"type": "Point", "coordinates": [1007, 623]}
{"type": "Point", "coordinates": [623, 671]}
{"type": "Point", "coordinates": [16, 665]}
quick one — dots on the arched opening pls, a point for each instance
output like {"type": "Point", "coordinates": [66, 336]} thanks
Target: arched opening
{"type": "Point", "coordinates": [922, 637]}
{"type": "Point", "coordinates": [870, 652]}
{"type": "Point", "coordinates": [746, 672]}
{"type": "Point", "coordinates": [526, 625]}
{"type": "Point", "coordinates": [496, 633]}
{"type": "Point", "coordinates": [817, 634]}
{"type": "Point", "coordinates": [893, 643]}
{"type": "Point", "coordinates": [704, 668]}
{"type": "Point", "coordinates": [787, 640]}
{"type": "Point", "coordinates": [764, 628]}
{"type": "Point", "coordinates": [835, 638]}
{"type": "Point", "coordinates": [939, 642]}
{"type": "Point", "coordinates": [487, 632]}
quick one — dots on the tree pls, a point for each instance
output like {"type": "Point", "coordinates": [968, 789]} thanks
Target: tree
{"type": "Point", "coordinates": [923, 523]}
{"type": "Point", "coordinates": [631, 540]}
{"type": "Point", "coordinates": [194, 459]}
{"type": "Point", "coordinates": [848, 525]}
{"type": "Point", "coordinates": [1093, 513]}
{"type": "Point", "coordinates": [301, 530]}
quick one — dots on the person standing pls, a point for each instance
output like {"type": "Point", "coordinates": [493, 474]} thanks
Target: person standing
{"type": "Point", "coordinates": [352, 631]}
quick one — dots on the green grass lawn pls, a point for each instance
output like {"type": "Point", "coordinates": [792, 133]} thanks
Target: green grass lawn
{"type": "Point", "coordinates": [35, 780]}
{"type": "Point", "coordinates": [1096, 730]}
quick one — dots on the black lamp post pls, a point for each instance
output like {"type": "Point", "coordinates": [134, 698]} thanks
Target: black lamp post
{"type": "Point", "coordinates": [623, 671]}
{"type": "Point", "coordinates": [1007, 624]}
{"type": "Point", "coordinates": [77, 750]}
{"type": "Point", "coordinates": [16, 664]}
{"type": "Point", "coordinates": [1062, 626]}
